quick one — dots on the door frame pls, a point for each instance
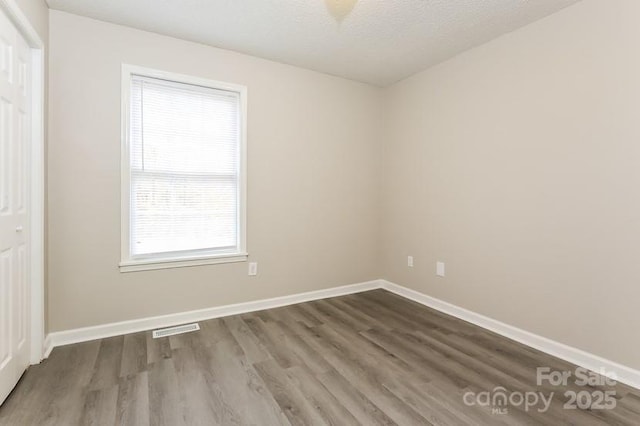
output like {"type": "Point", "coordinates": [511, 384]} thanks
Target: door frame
{"type": "Point", "coordinates": [36, 176]}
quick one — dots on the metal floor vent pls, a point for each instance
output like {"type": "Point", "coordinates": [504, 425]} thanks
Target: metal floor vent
{"type": "Point", "coordinates": [170, 331]}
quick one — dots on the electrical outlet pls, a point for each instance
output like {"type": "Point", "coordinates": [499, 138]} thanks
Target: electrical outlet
{"type": "Point", "coordinates": [253, 269]}
{"type": "Point", "coordinates": [440, 269]}
{"type": "Point", "coordinates": [410, 261]}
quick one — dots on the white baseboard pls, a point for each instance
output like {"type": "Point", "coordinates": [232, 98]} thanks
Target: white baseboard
{"type": "Point", "coordinates": [85, 334]}
{"type": "Point", "coordinates": [47, 347]}
{"type": "Point", "coordinates": [573, 355]}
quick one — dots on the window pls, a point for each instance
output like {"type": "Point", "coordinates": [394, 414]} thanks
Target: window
{"type": "Point", "coordinates": [183, 173]}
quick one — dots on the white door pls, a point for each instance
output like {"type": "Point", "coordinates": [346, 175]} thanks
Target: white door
{"type": "Point", "coordinates": [15, 116]}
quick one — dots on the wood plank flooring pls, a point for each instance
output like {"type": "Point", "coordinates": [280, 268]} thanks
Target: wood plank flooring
{"type": "Point", "coordinates": [371, 358]}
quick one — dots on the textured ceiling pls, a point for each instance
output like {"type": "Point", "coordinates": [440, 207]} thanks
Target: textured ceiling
{"type": "Point", "coordinates": [379, 42]}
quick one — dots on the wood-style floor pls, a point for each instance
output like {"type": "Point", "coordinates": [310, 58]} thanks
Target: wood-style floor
{"type": "Point", "coordinates": [372, 358]}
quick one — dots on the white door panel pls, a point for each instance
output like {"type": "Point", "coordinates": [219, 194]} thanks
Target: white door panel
{"type": "Point", "coordinates": [15, 118]}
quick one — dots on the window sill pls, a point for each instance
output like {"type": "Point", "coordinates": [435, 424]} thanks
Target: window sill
{"type": "Point", "coordinates": [180, 262]}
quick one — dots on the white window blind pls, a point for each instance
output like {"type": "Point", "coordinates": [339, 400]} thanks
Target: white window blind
{"type": "Point", "coordinates": [184, 169]}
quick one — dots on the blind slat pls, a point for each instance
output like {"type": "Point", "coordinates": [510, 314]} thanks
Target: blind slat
{"type": "Point", "coordinates": [184, 143]}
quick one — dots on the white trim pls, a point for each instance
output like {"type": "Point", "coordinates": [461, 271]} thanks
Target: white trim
{"type": "Point", "coordinates": [36, 209]}
{"type": "Point", "coordinates": [167, 263]}
{"type": "Point", "coordinates": [573, 355]}
{"type": "Point", "coordinates": [144, 324]}
{"type": "Point", "coordinates": [36, 196]}
{"type": "Point", "coordinates": [129, 264]}
{"type": "Point", "coordinates": [22, 23]}
{"type": "Point", "coordinates": [47, 346]}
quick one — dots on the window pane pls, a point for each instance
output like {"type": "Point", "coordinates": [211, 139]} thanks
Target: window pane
{"type": "Point", "coordinates": [184, 167]}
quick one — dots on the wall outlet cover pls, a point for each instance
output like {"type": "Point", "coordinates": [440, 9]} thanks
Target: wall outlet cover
{"type": "Point", "coordinates": [253, 269]}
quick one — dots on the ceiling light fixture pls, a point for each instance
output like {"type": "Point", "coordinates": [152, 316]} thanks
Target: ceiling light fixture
{"type": "Point", "coordinates": [339, 9]}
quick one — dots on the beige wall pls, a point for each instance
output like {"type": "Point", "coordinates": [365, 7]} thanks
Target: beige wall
{"type": "Point", "coordinates": [313, 199]}
{"type": "Point", "coordinates": [518, 164]}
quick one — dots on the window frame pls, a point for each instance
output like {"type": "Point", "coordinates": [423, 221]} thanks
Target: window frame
{"type": "Point", "coordinates": [129, 263]}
